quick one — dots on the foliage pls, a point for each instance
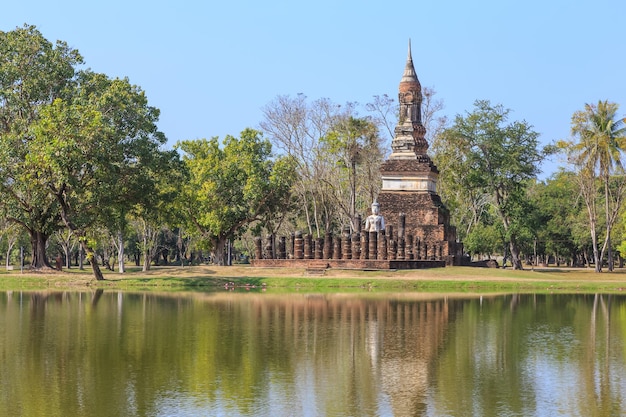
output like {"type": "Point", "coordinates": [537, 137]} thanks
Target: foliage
{"type": "Point", "coordinates": [484, 239]}
{"type": "Point", "coordinates": [487, 156]}
{"type": "Point", "coordinates": [559, 205]}
{"type": "Point", "coordinates": [233, 186]}
{"type": "Point", "coordinates": [33, 73]}
{"type": "Point", "coordinates": [595, 152]}
{"type": "Point", "coordinates": [296, 127]}
{"type": "Point", "coordinates": [98, 153]}
{"type": "Point", "coordinates": [354, 145]}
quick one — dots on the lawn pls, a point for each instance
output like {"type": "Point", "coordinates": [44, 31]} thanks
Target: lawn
{"type": "Point", "coordinates": [208, 278]}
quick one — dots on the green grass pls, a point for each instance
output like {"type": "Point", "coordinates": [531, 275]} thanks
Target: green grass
{"type": "Point", "coordinates": [245, 278]}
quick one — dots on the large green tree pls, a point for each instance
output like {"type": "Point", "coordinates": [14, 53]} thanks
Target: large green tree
{"type": "Point", "coordinates": [596, 153]}
{"type": "Point", "coordinates": [495, 158]}
{"type": "Point", "coordinates": [559, 208]}
{"type": "Point", "coordinates": [33, 73]}
{"type": "Point", "coordinates": [98, 153]}
{"type": "Point", "coordinates": [232, 186]}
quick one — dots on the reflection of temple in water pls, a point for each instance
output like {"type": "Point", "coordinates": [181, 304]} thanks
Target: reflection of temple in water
{"type": "Point", "coordinates": [400, 338]}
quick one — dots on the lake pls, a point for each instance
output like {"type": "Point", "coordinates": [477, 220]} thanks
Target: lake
{"type": "Point", "coordinates": [243, 353]}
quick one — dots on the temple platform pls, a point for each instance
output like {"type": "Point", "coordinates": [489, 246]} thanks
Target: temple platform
{"type": "Point", "coordinates": [363, 264]}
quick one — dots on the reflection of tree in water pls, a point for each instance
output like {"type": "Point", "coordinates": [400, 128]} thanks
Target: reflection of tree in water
{"type": "Point", "coordinates": [96, 297]}
{"type": "Point", "coordinates": [260, 354]}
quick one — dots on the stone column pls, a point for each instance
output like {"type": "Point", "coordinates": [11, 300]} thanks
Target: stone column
{"type": "Point", "coordinates": [308, 249]}
{"type": "Point", "coordinates": [292, 246]}
{"type": "Point", "coordinates": [373, 245]}
{"type": "Point", "coordinates": [357, 223]}
{"type": "Point", "coordinates": [346, 250]}
{"type": "Point", "coordinates": [319, 247]}
{"type": "Point", "coordinates": [401, 249]}
{"type": "Point", "coordinates": [337, 247]}
{"type": "Point", "coordinates": [401, 226]}
{"type": "Point", "coordinates": [269, 247]}
{"type": "Point", "coordinates": [365, 246]}
{"type": "Point", "coordinates": [298, 246]}
{"type": "Point", "coordinates": [392, 250]}
{"type": "Point", "coordinates": [409, 248]}
{"type": "Point", "coordinates": [258, 248]}
{"type": "Point", "coordinates": [401, 240]}
{"type": "Point", "coordinates": [327, 251]}
{"type": "Point", "coordinates": [356, 246]}
{"type": "Point", "coordinates": [382, 246]}
{"type": "Point", "coordinates": [282, 247]}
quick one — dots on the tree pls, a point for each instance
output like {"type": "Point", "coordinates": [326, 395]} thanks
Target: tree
{"type": "Point", "coordinates": [33, 73]}
{"type": "Point", "coordinates": [559, 205]}
{"type": "Point", "coordinates": [384, 114]}
{"type": "Point", "coordinates": [295, 127]}
{"type": "Point", "coordinates": [148, 234]}
{"type": "Point", "coordinates": [98, 154]}
{"type": "Point", "coordinates": [495, 158]}
{"type": "Point", "coordinates": [355, 146]}
{"type": "Point", "coordinates": [66, 243]}
{"type": "Point", "coordinates": [596, 153]}
{"type": "Point", "coordinates": [484, 239]}
{"type": "Point", "coordinates": [231, 187]}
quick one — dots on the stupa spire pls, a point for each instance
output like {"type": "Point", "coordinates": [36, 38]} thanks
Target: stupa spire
{"type": "Point", "coordinates": [409, 142]}
{"type": "Point", "coordinates": [409, 70]}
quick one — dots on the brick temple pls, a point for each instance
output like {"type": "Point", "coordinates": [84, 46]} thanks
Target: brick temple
{"type": "Point", "coordinates": [418, 233]}
{"type": "Point", "coordinates": [410, 179]}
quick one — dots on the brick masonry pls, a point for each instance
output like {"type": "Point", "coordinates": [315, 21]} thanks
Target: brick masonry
{"type": "Point", "coordinates": [346, 264]}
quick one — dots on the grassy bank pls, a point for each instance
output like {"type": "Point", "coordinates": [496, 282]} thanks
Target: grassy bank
{"type": "Point", "coordinates": [208, 278]}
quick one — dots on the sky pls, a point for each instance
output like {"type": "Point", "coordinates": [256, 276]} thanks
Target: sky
{"type": "Point", "coordinates": [211, 66]}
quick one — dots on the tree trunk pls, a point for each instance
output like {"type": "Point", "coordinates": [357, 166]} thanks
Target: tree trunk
{"type": "Point", "coordinates": [38, 242]}
{"type": "Point", "coordinates": [91, 257]}
{"type": "Point", "coordinates": [597, 259]}
{"type": "Point", "coordinates": [10, 244]}
{"type": "Point", "coordinates": [120, 252]}
{"type": "Point", "coordinates": [68, 256]}
{"type": "Point", "coordinates": [516, 262]}
{"type": "Point", "coordinates": [147, 261]}
{"type": "Point", "coordinates": [218, 253]}
{"type": "Point", "coordinates": [606, 249]}
{"type": "Point", "coordinates": [179, 244]}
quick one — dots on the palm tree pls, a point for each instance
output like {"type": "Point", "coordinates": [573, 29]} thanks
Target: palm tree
{"type": "Point", "coordinates": [598, 154]}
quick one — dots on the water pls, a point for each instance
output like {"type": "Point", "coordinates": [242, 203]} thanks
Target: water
{"type": "Point", "coordinates": [259, 354]}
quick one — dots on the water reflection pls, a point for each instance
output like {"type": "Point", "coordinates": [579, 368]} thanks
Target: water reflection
{"type": "Point", "coordinates": [109, 353]}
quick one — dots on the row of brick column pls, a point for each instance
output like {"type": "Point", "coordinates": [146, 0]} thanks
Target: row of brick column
{"type": "Point", "coordinates": [365, 246]}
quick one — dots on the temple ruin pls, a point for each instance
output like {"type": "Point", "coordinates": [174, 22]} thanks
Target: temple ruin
{"type": "Point", "coordinates": [416, 231]}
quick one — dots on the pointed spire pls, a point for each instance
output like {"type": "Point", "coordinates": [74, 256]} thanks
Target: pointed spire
{"type": "Point", "coordinates": [409, 70]}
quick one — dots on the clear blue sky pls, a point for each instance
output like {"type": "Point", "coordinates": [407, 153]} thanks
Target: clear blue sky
{"type": "Point", "coordinates": [210, 66]}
